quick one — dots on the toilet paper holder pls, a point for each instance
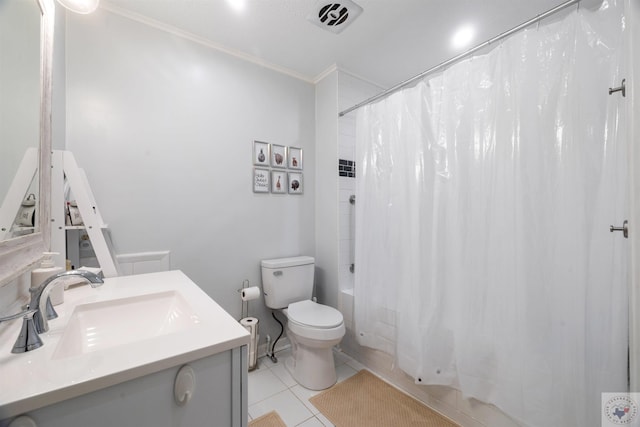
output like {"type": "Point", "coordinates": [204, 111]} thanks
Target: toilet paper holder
{"type": "Point", "coordinates": [245, 304]}
{"type": "Point", "coordinates": [248, 293]}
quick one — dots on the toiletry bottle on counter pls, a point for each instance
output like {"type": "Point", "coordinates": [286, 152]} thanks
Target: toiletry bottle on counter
{"type": "Point", "coordinates": [46, 270]}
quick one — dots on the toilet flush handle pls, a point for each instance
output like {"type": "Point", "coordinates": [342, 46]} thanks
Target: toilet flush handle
{"type": "Point", "coordinates": [277, 273]}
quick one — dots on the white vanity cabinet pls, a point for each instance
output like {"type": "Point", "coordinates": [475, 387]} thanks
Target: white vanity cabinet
{"type": "Point", "coordinates": [149, 401]}
{"type": "Point", "coordinates": [112, 356]}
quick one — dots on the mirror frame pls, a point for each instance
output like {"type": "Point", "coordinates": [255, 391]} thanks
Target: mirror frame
{"type": "Point", "coordinates": [19, 254]}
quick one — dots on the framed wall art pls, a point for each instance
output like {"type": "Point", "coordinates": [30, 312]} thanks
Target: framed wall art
{"type": "Point", "coordinates": [261, 153]}
{"type": "Point", "coordinates": [261, 180]}
{"type": "Point", "coordinates": [278, 182]}
{"type": "Point", "coordinates": [296, 185]}
{"type": "Point", "coordinates": [278, 156]}
{"type": "Point", "coordinates": [295, 158]}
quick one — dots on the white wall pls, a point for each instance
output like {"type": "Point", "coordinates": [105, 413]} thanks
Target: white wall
{"type": "Point", "coordinates": [164, 129]}
{"type": "Point", "coordinates": [326, 226]}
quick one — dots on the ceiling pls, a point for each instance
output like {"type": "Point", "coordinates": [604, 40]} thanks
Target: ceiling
{"type": "Point", "coordinates": [391, 41]}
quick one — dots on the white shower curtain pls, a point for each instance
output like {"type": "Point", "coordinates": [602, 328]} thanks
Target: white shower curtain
{"type": "Point", "coordinates": [485, 196]}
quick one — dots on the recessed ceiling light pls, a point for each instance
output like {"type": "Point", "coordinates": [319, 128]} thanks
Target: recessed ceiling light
{"type": "Point", "coordinates": [463, 37]}
{"type": "Point", "coordinates": [238, 5]}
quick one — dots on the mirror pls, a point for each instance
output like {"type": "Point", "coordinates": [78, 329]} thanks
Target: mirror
{"type": "Point", "coordinates": [19, 115]}
{"type": "Point", "coordinates": [26, 45]}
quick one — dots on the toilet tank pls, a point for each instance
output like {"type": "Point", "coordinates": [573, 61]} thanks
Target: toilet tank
{"type": "Point", "coordinates": [287, 280]}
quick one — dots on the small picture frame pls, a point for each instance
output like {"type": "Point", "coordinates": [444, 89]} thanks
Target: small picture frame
{"type": "Point", "coordinates": [278, 156]}
{"type": "Point", "coordinates": [296, 184]}
{"type": "Point", "coordinates": [261, 181]}
{"type": "Point", "coordinates": [278, 182]}
{"type": "Point", "coordinates": [261, 153]}
{"type": "Point", "coordinates": [295, 158]}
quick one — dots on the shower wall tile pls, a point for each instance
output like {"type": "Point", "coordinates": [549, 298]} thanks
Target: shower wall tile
{"type": "Point", "coordinates": [345, 225]}
{"type": "Point", "coordinates": [346, 168]}
{"type": "Point", "coordinates": [347, 278]}
{"type": "Point", "coordinates": [351, 91]}
{"type": "Point", "coordinates": [345, 249]}
{"type": "Point", "coordinates": [347, 152]}
{"type": "Point", "coordinates": [347, 139]}
{"type": "Point", "coordinates": [345, 194]}
{"type": "Point", "coordinates": [346, 303]}
{"type": "Point", "coordinates": [344, 208]}
{"type": "Point", "coordinates": [346, 183]}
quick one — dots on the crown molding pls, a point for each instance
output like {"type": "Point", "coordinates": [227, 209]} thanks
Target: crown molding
{"type": "Point", "coordinates": [201, 40]}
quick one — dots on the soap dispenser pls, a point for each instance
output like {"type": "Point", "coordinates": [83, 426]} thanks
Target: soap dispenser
{"type": "Point", "coordinates": [46, 270]}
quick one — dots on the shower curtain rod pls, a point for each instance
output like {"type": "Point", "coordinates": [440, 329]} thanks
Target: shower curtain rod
{"type": "Point", "coordinates": [461, 56]}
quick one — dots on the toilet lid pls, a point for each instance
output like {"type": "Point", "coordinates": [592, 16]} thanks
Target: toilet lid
{"type": "Point", "coordinates": [313, 314]}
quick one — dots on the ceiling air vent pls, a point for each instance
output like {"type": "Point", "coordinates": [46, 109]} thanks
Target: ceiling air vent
{"type": "Point", "coordinates": [334, 16]}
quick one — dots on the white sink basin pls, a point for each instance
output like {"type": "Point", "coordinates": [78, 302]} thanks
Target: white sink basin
{"type": "Point", "coordinates": [106, 324]}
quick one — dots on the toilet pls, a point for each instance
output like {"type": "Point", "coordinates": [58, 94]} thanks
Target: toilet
{"type": "Point", "coordinates": [313, 329]}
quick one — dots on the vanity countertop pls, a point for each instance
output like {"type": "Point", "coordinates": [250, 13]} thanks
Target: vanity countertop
{"type": "Point", "coordinates": [198, 327]}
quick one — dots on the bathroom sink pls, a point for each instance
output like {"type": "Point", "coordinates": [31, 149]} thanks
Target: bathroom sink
{"type": "Point", "coordinates": [106, 324]}
{"type": "Point", "coordinates": [128, 328]}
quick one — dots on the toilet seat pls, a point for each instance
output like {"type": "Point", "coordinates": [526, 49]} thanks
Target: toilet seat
{"type": "Point", "coordinates": [315, 321]}
{"type": "Point", "coordinates": [310, 313]}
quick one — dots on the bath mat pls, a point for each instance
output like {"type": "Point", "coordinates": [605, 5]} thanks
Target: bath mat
{"type": "Point", "coordinates": [365, 400]}
{"type": "Point", "coordinates": [270, 419]}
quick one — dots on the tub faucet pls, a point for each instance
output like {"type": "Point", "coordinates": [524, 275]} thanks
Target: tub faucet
{"type": "Point", "coordinates": [40, 297]}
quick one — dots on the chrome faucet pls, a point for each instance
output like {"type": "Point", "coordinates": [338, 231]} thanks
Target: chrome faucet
{"type": "Point", "coordinates": [34, 321]}
{"type": "Point", "coordinates": [40, 297]}
{"type": "Point", "coordinates": [28, 339]}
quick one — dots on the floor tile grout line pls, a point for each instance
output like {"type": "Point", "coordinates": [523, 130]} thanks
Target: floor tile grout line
{"type": "Point", "coordinates": [299, 424]}
{"type": "Point", "coordinates": [271, 395]}
{"type": "Point", "coordinates": [300, 400]}
{"type": "Point", "coordinates": [344, 359]}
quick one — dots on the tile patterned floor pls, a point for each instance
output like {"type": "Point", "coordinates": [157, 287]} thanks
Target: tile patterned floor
{"type": "Point", "coordinates": [271, 387]}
